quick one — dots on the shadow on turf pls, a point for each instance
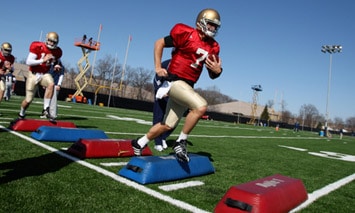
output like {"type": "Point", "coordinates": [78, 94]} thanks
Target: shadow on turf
{"type": "Point", "coordinates": [206, 154]}
{"type": "Point", "coordinates": [170, 143]}
{"type": "Point", "coordinates": [35, 166]}
{"type": "Point", "coordinates": [71, 118]}
{"type": "Point", "coordinates": [86, 127]}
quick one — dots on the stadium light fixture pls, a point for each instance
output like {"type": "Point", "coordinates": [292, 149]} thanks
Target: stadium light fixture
{"type": "Point", "coordinates": [329, 49]}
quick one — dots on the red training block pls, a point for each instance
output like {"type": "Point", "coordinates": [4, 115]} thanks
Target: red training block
{"type": "Point", "coordinates": [104, 148]}
{"type": "Point", "coordinates": [271, 194]}
{"type": "Point", "coordinates": [30, 125]}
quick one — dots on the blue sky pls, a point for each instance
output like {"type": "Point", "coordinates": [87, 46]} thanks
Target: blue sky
{"type": "Point", "coordinates": [275, 43]}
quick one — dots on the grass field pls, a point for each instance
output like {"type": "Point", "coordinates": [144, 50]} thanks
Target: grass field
{"type": "Point", "coordinates": [37, 176]}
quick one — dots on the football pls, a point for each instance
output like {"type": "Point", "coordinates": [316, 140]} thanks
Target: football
{"type": "Point", "coordinates": [210, 57]}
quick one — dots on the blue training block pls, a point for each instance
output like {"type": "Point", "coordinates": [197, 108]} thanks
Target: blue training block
{"type": "Point", "coordinates": [154, 169]}
{"type": "Point", "coordinates": [63, 134]}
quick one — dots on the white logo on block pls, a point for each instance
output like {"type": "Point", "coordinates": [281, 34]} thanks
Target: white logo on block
{"type": "Point", "coordinates": [270, 183]}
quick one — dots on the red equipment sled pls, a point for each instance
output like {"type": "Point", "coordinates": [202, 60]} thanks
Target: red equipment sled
{"type": "Point", "coordinates": [271, 194]}
{"type": "Point", "coordinates": [104, 148]}
{"type": "Point", "coordinates": [30, 125]}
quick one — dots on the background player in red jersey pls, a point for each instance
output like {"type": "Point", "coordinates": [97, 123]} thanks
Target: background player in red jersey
{"type": "Point", "coordinates": [6, 62]}
{"type": "Point", "coordinates": [42, 56]}
{"type": "Point", "coordinates": [191, 49]}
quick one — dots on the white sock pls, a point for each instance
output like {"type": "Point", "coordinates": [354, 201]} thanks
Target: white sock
{"type": "Point", "coordinates": [46, 102]}
{"type": "Point", "coordinates": [164, 144]}
{"type": "Point", "coordinates": [143, 141]}
{"type": "Point", "coordinates": [182, 136]}
{"type": "Point", "coordinates": [159, 148]}
{"type": "Point", "coordinates": [22, 111]}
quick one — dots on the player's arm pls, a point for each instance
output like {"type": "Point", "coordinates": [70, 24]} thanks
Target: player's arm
{"type": "Point", "coordinates": [33, 61]}
{"type": "Point", "coordinates": [6, 67]}
{"type": "Point", "coordinates": [61, 76]}
{"type": "Point", "coordinates": [58, 66]}
{"type": "Point", "coordinates": [159, 46]}
{"type": "Point", "coordinates": [214, 67]}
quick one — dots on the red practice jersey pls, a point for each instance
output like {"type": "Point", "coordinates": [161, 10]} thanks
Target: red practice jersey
{"type": "Point", "coordinates": [40, 49]}
{"type": "Point", "coordinates": [9, 58]}
{"type": "Point", "coordinates": [190, 52]}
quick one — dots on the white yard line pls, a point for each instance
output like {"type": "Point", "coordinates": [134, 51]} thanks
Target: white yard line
{"type": "Point", "coordinates": [158, 195]}
{"type": "Point", "coordinates": [311, 196]}
{"type": "Point", "coordinates": [114, 164]}
{"type": "Point", "coordinates": [329, 188]}
{"type": "Point", "coordinates": [226, 136]}
{"type": "Point", "coordinates": [324, 191]}
{"type": "Point", "coordinates": [294, 148]}
{"type": "Point", "coordinates": [177, 186]}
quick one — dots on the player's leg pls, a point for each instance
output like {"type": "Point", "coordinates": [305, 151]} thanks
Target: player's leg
{"type": "Point", "coordinates": [185, 97]}
{"type": "Point", "coordinates": [31, 87]}
{"type": "Point", "coordinates": [7, 92]}
{"type": "Point", "coordinates": [156, 130]}
{"type": "Point", "coordinates": [47, 81]}
{"type": "Point", "coordinates": [158, 115]}
{"type": "Point", "coordinates": [53, 108]}
{"type": "Point", "coordinates": [2, 89]}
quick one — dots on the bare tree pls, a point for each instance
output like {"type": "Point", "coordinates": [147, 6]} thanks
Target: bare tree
{"type": "Point", "coordinates": [270, 103]}
{"type": "Point", "coordinates": [338, 123]}
{"type": "Point", "coordinates": [319, 120]}
{"type": "Point", "coordinates": [287, 117]}
{"type": "Point", "coordinates": [104, 72]}
{"type": "Point", "coordinates": [213, 95]}
{"type": "Point", "coordinates": [69, 75]}
{"type": "Point", "coordinates": [140, 78]}
{"type": "Point", "coordinates": [283, 105]}
{"type": "Point", "coordinates": [308, 113]}
{"type": "Point", "coordinates": [104, 68]}
{"type": "Point", "coordinates": [350, 123]}
{"type": "Point", "coordinates": [125, 80]}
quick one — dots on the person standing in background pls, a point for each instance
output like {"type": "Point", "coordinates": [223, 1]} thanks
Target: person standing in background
{"type": "Point", "coordinates": [10, 81]}
{"type": "Point", "coordinates": [58, 76]}
{"type": "Point", "coordinates": [159, 109]}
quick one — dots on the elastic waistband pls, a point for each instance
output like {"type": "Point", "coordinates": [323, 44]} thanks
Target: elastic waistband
{"type": "Point", "coordinates": [173, 77]}
{"type": "Point", "coordinates": [34, 73]}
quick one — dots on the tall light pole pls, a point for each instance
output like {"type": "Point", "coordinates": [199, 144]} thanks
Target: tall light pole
{"type": "Point", "coordinates": [329, 49]}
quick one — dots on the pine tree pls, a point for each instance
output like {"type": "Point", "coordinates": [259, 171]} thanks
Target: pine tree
{"type": "Point", "coordinates": [265, 115]}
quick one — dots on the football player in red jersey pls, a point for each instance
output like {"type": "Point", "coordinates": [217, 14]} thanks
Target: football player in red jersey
{"type": "Point", "coordinates": [42, 56]}
{"type": "Point", "coordinates": [6, 62]}
{"type": "Point", "coordinates": [191, 47]}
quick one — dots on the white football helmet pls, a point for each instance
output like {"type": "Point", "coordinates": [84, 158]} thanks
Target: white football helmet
{"type": "Point", "coordinates": [52, 40]}
{"type": "Point", "coordinates": [208, 16]}
{"type": "Point", "coordinates": [6, 49]}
